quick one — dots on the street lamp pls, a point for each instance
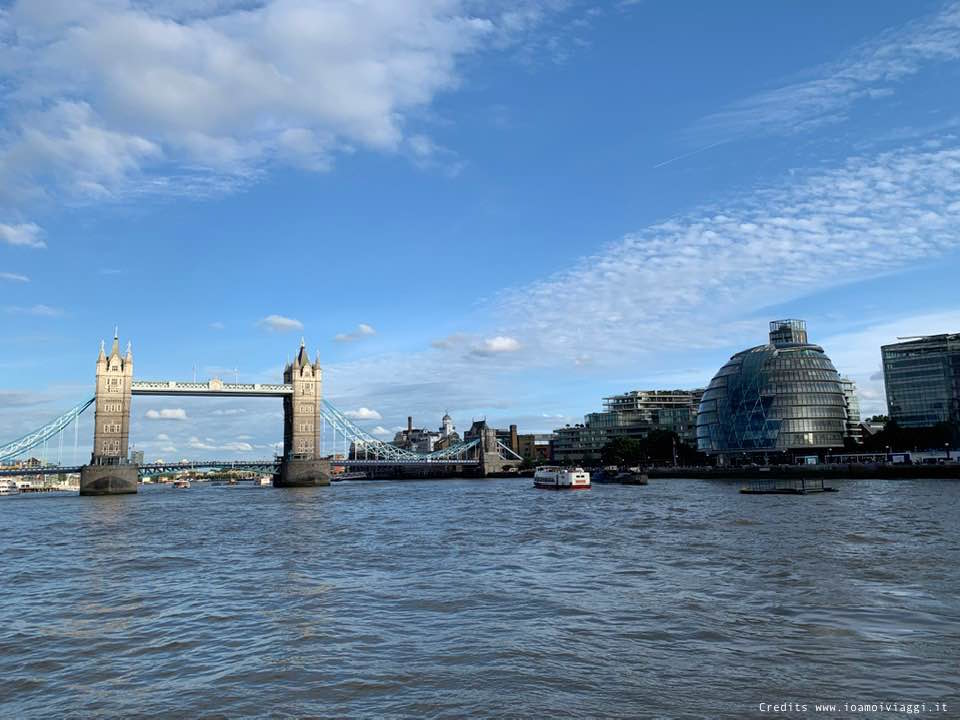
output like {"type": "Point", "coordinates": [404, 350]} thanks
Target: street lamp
{"type": "Point", "coordinates": [946, 449]}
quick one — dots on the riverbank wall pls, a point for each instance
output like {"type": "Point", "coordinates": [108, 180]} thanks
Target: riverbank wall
{"type": "Point", "coordinates": [862, 471]}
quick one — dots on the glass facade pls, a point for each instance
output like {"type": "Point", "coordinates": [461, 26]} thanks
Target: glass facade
{"type": "Point", "coordinates": [849, 388]}
{"type": "Point", "coordinates": [922, 379]}
{"type": "Point", "coordinates": [781, 397]}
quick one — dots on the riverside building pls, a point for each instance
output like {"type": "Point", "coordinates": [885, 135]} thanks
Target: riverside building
{"type": "Point", "coordinates": [633, 415]}
{"type": "Point", "coordinates": [854, 431]}
{"type": "Point", "coordinates": [783, 398]}
{"type": "Point", "coordinates": [922, 380]}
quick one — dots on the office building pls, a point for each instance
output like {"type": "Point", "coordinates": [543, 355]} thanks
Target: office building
{"type": "Point", "coordinates": [854, 432]}
{"type": "Point", "coordinates": [632, 415]}
{"type": "Point", "coordinates": [922, 380]}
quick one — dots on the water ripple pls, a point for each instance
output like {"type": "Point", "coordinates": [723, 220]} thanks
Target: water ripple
{"type": "Point", "coordinates": [681, 599]}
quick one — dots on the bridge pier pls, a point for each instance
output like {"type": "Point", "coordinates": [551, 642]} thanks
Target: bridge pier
{"type": "Point", "coordinates": [108, 479]}
{"type": "Point", "coordinates": [302, 473]}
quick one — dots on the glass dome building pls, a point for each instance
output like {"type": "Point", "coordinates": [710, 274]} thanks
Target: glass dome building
{"type": "Point", "coordinates": [783, 397]}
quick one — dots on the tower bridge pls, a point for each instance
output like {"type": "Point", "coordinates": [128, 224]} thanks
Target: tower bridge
{"type": "Point", "coordinates": [307, 418]}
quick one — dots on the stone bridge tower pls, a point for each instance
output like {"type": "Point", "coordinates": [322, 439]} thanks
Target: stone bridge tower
{"type": "Point", "coordinates": [301, 465]}
{"type": "Point", "coordinates": [109, 472]}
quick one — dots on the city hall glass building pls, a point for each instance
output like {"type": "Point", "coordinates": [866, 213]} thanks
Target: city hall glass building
{"type": "Point", "coordinates": [782, 397]}
{"type": "Point", "coordinates": [922, 379]}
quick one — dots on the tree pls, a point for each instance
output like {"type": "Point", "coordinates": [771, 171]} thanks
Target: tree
{"type": "Point", "coordinates": [622, 451]}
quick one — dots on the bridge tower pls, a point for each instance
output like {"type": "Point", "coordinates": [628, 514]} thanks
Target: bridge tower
{"type": "Point", "coordinates": [301, 465]}
{"type": "Point", "coordinates": [109, 471]}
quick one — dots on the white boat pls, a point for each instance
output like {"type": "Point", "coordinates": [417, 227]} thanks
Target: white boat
{"type": "Point", "coordinates": [181, 484]}
{"type": "Point", "coordinates": [263, 481]}
{"type": "Point", "coordinates": [8, 487]}
{"type": "Point", "coordinates": [559, 478]}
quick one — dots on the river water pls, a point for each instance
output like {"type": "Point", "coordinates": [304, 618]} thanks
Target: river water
{"type": "Point", "coordinates": [682, 599]}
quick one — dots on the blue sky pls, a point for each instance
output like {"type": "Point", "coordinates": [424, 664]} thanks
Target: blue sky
{"type": "Point", "coordinates": [501, 209]}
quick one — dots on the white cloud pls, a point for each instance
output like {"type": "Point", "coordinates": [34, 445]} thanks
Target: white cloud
{"type": "Point", "coordinates": [381, 431]}
{"type": "Point", "coordinates": [13, 277]}
{"type": "Point", "coordinates": [212, 445]}
{"type": "Point", "coordinates": [105, 90]}
{"type": "Point", "coordinates": [108, 99]}
{"type": "Point", "coordinates": [867, 72]}
{"type": "Point", "coordinates": [163, 437]}
{"type": "Point", "coordinates": [363, 414]}
{"type": "Point", "coordinates": [166, 414]}
{"type": "Point", "coordinates": [279, 323]}
{"type": "Point", "coordinates": [497, 345]}
{"type": "Point", "coordinates": [217, 325]}
{"type": "Point", "coordinates": [363, 330]}
{"type": "Point", "coordinates": [228, 411]}
{"type": "Point", "coordinates": [34, 310]}
{"type": "Point", "coordinates": [684, 283]}
{"type": "Point", "coordinates": [24, 234]}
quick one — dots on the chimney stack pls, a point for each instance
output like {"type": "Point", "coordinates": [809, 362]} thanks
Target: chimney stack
{"type": "Point", "coordinates": [409, 425]}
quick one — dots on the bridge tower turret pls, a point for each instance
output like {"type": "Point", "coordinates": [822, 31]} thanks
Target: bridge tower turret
{"type": "Point", "coordinates": [301, 465]}
{"type": "Point", "coordinates": [109, 472]}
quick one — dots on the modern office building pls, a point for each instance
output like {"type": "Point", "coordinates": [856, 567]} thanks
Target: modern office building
{"type": "Point", "coordinates": [633, 415]}
{"type": "Point", "coordinates": [922, 379]}
{"type": "Point", "coordinates": [854, 431]}
{"type": "Point", "coordinates": [784, 397]}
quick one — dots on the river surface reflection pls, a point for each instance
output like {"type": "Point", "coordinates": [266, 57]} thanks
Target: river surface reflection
{"type": "Point", "coordinates": [681, 599]}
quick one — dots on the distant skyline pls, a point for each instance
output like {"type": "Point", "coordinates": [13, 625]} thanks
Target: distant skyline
{"type": "Point", "coordinates": [504, 210]}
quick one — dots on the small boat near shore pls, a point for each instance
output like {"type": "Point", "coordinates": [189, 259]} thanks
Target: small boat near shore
{"type": "Point", "coordinates": [181, 484]}
{"type": "Point", "coordinates": [263, 481]}
{"type": "Point", "coordinates": [8, 487]}
{"type": "Point", "coordinates": [558, 478]}
{"type": "Point", "coordinates": [613, 475]}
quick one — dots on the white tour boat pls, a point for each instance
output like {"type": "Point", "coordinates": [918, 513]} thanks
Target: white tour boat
{"type": "Point", "coordinates": [183, 484]}
{"type": "Point", "coordinates": [263, 481]}
{"type": "Point", "coordinates": [8, 487]}
{"type": "Point", "coordinates": [559, 478]}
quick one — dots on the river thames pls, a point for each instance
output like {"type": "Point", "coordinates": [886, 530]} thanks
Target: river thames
{"type": "Point", "coordinates": [682, 599]}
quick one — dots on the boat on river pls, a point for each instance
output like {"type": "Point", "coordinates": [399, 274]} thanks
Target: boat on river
{"type": "Point", "coordinates": [181, 484]}
{"type": "Point", "coordinates": [559, 478]}
{"type": "Point", "coordinates": [8, 487]}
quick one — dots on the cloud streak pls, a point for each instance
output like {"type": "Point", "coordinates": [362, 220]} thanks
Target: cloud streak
{"type": "Point", "coordinates": [34, 311]}
{"type": "Point", "coordinates": [363, 330]}
{"type": "Point", "coordinates": [684, 283]}
{"type": "Point", "coordinates": [279, 323]}
{"type": "Point", "coordinates": [22, 235]}
{"type": "Point", "coordinates": [869, 72]}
